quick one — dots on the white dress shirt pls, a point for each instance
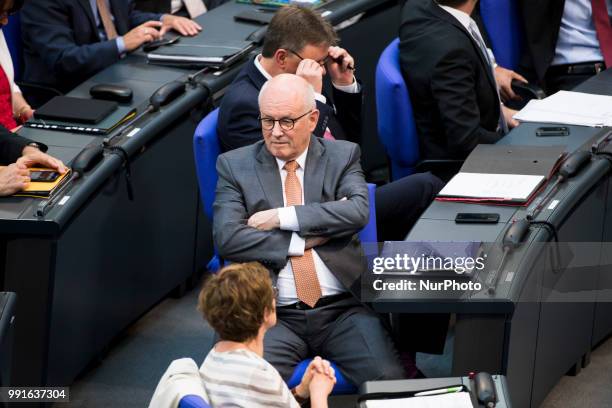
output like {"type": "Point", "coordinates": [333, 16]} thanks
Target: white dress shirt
{"type": "Point", "coordinates": [175, 5]}
{"type": "Point", "coordinates": [285, 283]}
{"type": "Point", "coordinates": [465, 20]}
{"type": "Point", "coordinates": [577, 41]}
{"type": "Point", "coordinates": [7, 63]}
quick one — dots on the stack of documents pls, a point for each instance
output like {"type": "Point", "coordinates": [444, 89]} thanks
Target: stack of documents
{"type": "Point", "coordinates": [498, 174]}
{"type": "Point", "coordinates": [454, 400]}
{"type": "Point", "coordinates": [569, 108]}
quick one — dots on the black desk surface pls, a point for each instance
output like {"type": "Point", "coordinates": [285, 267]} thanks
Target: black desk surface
{"type": "Point", "coordinates": [440, 216]}
{"type": "Point", "coordinates": [17, 215]}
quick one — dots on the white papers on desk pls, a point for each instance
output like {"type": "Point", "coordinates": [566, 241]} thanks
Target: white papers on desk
{"type": "Point", "coordinates": [512, 187]}
{"type": "Point", "coordinates": [569, 108]}
{"type": "Point", "coordinates": [453, 400]}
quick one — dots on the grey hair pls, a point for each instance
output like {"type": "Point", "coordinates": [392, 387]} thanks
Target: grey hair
{"type": "Point", "coordinates": [308, 94]}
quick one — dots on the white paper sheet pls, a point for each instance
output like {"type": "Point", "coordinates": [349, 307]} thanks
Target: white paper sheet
{"type": "Point", "coordinates": [453, 400]}
{"type": "Point", "coordinates": [515, 187]}
{"type": "Point", "coordinates": [570, 108]}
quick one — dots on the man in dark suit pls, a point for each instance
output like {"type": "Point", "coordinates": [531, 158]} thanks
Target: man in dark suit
{"type": "Point", "coordinates": [179, 7]}
{"type": "Point", "coordinates": [16, 155]}
{"type": "Point", "coordinates": [567, 42]}
{"type": "Point", "coordinates": [450, 76]}
{"type": "Point", "coordinates": [67, 41]}
{"type": "Point", "coordinates": [294, 202]}
{"type": "Point", "coordinates": [300, 41]}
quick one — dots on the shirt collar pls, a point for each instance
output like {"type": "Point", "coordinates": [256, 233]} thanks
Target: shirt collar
{"type": "Point", "coordinates": [261, 68]}
{"type": "Point", "coordinates": [463, 17]}
{"type": "Point", "coordinates": [301, 160]}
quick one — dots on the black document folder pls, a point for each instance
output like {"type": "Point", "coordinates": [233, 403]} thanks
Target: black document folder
{"type": "Point", "coordinates": [216, 53]}
{"type": "Point", "coordinates": [103, 127]}
{"type": "Point", "coordinates": [79, 110]}
{"type": "Point", "coordinates": [500, 159]}
{"type": "Point", "coordinates": [498, 174]}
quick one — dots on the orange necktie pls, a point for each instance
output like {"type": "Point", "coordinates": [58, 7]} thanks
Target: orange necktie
{"type": "Point", "coordinates": [304, 273]}
{"type": "Point", "coordinates": [107, 20]}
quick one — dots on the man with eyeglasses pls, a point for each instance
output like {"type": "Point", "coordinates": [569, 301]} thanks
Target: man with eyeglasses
{"type": "Point", "coordinates": [299, 41]}
{"type": "Point", "coordinates": [294, 202]}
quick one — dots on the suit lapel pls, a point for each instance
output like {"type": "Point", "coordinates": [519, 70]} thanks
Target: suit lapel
{"type": "Point", "coordinates": [442, 14]}
{"type": "Point", "coordinates": [314, 175]}
{"type": "Point", "coordinates": [269, 177]}
{"type": "Point", "coordinates": [89, 13]}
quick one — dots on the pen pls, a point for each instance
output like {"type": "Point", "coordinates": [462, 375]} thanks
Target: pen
{"type": "Point", "coordinates": [440, 391]}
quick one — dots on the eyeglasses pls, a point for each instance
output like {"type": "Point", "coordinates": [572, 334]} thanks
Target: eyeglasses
{"type": "Point", "coordinates": [285, 123]}
{"type": "Point", "coordinates": [322, 62]}
{"type": "Point", "coordinates": [275, 292]}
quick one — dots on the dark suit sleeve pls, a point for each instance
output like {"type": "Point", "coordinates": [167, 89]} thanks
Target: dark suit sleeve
{"type": "Point", "coordinates": [11, 146]}
{"type": "Point", "coordinates": [238, 124]}
{"type": "Point", "coordinates": [233, 238]}
{"type": "Point", "coordinates": [50, 30]}
{"type": "Point", "coordinates": [453, 86]}
{"type": "Point", "coordinates": [339, 218]}
{"type": "Point", "coordinates": [349, 108]}
{"type": "Point", "coordinates": [138, 17]}
{"type": "Point", "coordinates": [348, 115]}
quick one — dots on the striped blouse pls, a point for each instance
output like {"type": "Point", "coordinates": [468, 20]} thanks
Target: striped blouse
{"type": "Point", "coordinates": [240, 378]}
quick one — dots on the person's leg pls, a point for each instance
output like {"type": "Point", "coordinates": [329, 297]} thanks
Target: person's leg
{"type": "Point", "coordinates": [284, 346]}
{"type": "Point", "coordinates": [361, 347]}
{"type": "Point", "coordinates": [399, 204]}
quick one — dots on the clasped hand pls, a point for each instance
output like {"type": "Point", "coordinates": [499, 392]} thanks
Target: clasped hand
{"type": "Point", "coordinates": [319, 378]}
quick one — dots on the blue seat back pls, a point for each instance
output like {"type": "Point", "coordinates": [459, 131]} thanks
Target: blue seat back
{"type": "Point", "coordinates": [206, 149]}
{"type": "Point", "coordinates": [503, 24]}
{"type": "Point", "coordinates": [193, 401]}
{"type": "Point", "coordinates": [396, 127]}
{"type": "Point", "coordinates": [368, 233]}
{"type": "Point", "coordinates": [12, 35]}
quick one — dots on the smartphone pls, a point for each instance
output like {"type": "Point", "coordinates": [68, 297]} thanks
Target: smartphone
{"type": "Point", "coordinates": [552, 131]}
{"type": "Point", "coordinates": [44, 176]}
{"type": "Point", "coordinates": [477, 218]}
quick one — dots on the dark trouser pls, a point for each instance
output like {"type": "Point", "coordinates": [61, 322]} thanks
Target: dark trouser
{"type": "Point", "coordinates": [344, 332]}
{"type": "Point", "coordinates": [423, 332]}
{"type": "Point", "coordinates": [399, 204]}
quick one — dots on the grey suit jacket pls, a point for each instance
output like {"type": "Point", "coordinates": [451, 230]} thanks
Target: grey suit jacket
{"type": "Point", "coordinates": [249, 181]}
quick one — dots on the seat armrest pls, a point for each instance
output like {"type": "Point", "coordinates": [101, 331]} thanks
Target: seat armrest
{"type": "Point", "coordinates": [445, 169]}
{"type": "Point", "coordinates": [37, 94]}
{"type": "Point", "coordinates": [526, 92]}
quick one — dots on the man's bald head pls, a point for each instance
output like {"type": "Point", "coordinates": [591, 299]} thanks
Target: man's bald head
{"type": "Point", "coordinates": [288, 114]}
{"type": "Point", "coordinates": [289, 87]}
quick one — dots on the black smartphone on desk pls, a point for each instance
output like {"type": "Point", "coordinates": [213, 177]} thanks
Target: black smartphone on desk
{"type": "Point", "coordinates": [547, 131]}
{"type": "Point", "coordinates": [477, 218]}
{"type": "Point", "coordinates": [44, 176]}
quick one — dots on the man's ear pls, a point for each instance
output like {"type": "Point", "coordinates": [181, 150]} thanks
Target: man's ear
{"type": "Point", "coordinates": [280, 58]}
{"type": "Point", "coordinates": [313, 119]}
